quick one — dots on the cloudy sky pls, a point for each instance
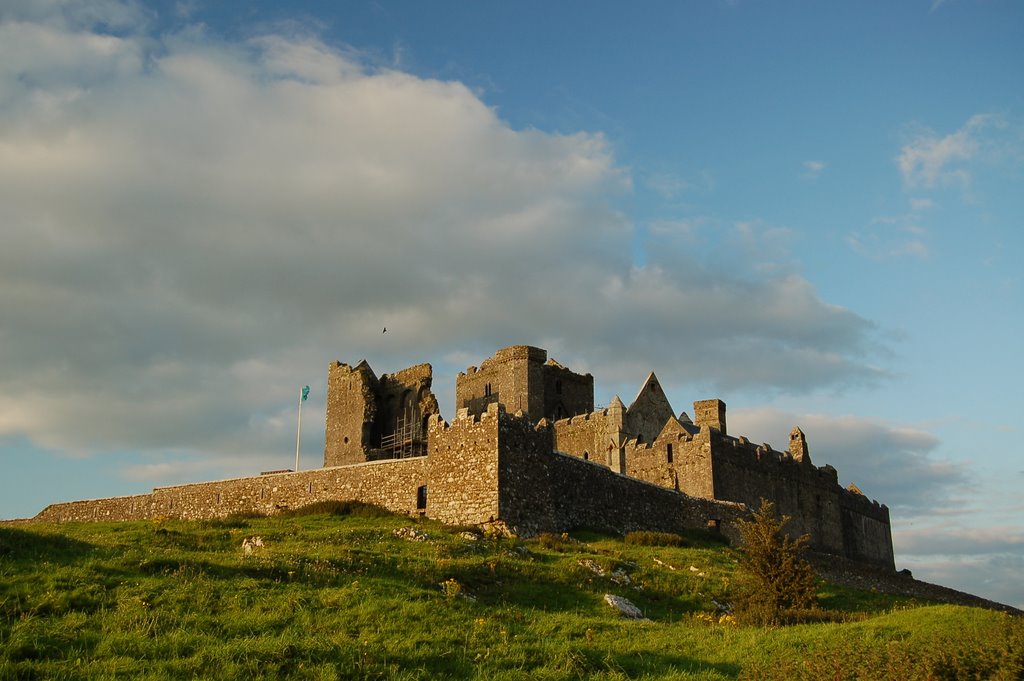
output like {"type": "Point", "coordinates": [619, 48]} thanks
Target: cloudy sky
{"type": "Point", "coordinates": [811, 210]}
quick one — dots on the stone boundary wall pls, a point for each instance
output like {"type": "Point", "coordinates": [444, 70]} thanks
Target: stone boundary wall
{"type": "Point", "coordinates": [590, 495]}
{"type": "Point", "coordinates": [391, 484]}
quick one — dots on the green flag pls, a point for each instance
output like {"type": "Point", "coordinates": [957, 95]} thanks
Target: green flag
{"type": "Point", "coordinates": [305, 393]}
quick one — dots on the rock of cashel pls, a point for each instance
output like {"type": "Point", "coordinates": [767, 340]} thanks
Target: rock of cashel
{"type": "Point", "coordinates": [527, 452]}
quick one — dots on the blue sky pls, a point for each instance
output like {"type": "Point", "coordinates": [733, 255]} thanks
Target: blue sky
{"type": "Point", "coordinates": [810, 210]}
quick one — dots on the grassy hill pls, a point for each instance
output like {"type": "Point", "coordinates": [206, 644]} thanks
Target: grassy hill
{"type": "Point", "coordinates": [341, 595]}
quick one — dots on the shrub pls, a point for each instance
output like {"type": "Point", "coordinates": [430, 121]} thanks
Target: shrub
{"type": "Point", "coordinates": [776, 584]}
{"type": "Point", "coordinates": [340, 508]}
{"type": "Point", "coordinates": [645, 538]}
{"type": "Point", "coordinates": [556, 542]}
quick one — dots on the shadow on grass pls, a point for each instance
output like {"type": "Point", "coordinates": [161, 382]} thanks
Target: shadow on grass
{"type": "Point", "coordinates": [657, 663]}
{"type": "Point", "coordinates": [23, 545]}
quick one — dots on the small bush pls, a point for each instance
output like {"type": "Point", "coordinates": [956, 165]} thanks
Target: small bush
{"type": "Point", "coordinates": [335, 507]}
{"type": "Point", "coordinates": [555, 542]}
{"type": "Point", "coordinates": [645, 538]}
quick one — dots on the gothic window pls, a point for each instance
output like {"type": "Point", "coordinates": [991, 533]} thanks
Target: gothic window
{"type": "Point", "coordinates": [586, 456]}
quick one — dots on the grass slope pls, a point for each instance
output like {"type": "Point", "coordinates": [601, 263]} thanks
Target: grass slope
{"type": "Point", "coordinates": [341, 596]}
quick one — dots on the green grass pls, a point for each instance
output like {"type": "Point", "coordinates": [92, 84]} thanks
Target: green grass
{"type": "Point", "coordinates": [335, 595]}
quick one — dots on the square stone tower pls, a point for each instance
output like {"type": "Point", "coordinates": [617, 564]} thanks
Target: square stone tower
{"type": "Point", "coordinates": [522, 378]}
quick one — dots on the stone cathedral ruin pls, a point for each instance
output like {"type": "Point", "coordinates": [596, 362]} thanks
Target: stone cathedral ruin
{"type": "Point", "coordinates": [528, 452]}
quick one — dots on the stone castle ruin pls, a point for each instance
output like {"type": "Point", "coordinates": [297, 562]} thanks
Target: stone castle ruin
{"type": "Point", "coordinates": [528, 452]}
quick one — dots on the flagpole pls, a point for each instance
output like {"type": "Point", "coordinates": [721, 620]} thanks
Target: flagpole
{"type": "Point", "coordinates": [298, 432]}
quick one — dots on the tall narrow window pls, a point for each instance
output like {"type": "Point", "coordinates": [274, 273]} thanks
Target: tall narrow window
{"type": "Point", "coordinates": [421, 498]}
{"type": "Point", "coordinates": [487, 390]}
{"type": "Point", "coordinates": [586, 456]}
{"type": "Point", "coordinates": [668, 452]}
{"type": "Point", "coordinates": [558, 387]}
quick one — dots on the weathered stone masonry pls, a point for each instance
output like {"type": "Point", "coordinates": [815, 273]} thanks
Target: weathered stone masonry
{"type": "Point", "coordinates": [620, 468]}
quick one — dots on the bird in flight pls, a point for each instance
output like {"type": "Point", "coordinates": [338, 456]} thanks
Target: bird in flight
{"type": "Point", "coordinates": [385, 330]}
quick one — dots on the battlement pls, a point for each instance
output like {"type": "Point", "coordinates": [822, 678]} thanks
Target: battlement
{"type": "Point", "coordinates": [514, 352]}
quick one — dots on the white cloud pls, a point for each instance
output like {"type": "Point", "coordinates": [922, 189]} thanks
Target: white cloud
{"type": "Point", "coordinates": [891, 237]}
{"type": "Point", "coordinates": [194, 226]}
{"type": "Point", "coordinates": [983, 561]}
{"type": "Point", "coordinates": [930, 160]}
{"type": "Point", "coordinates": [813, 168]}
{"type": "Point", "coordinates": [945, 540]}
{"type": "Point", "coordinates": [667, 186]}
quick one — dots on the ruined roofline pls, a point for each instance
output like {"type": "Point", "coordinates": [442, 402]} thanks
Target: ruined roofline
{"type": "Point", "coordinates": [507, 354]}
{"type": "Point", "coordinates": [411, 371]}
{"type": "Point", "coordinates": [362, 366]}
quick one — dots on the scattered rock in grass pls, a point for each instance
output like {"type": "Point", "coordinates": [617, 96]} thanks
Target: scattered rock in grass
{"type": "Point", "coordinates": [618, 575]}
{"type": "Point", "coordinates": [664, 564]}
{"type": "Point", "coordinates": [496, 529]}
{"type": "Point", "coordinates": [250, 544]}
{"type": "Point", "coordinates": [410, 534]}
{"type": "Point", "coordinates": [468, 536]}
{"type": "Point", "coordinates": [724, 608]}
{"type": "Point", "coordinates": [624, 606]}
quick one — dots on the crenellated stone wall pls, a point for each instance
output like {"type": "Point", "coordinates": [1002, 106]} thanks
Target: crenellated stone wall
{"type": "Point", "coordinates": [463, 480]}
{"type": "Point", "coordinates": [594, 437]}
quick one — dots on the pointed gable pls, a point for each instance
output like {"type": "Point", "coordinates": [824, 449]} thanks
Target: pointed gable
{"type": "Point", "coordinates": [676, 427]}
{"type": "Point", "coordinates": [672, 429]}
{"type": "Point", "coordinates": [649, 412]}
